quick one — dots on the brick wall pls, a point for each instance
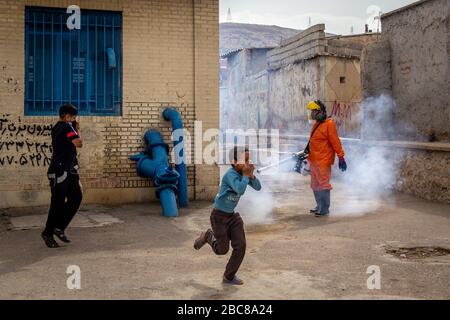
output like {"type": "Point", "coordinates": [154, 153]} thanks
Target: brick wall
{"type": "Point", "coordinates": [206, 92]}
{"type": "Point", "coordinates": [170, 50]}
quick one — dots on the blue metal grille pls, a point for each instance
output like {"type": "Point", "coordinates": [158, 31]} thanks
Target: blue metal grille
{"type": "Point", "coordinates": [72, 66]}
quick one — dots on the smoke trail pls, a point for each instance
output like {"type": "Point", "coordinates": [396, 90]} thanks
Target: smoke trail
{"type": "Point", "coordinates": [369, 181]}
{"type": "Point", "coordinates": [372, 170]}
{"type": "Point", "coordinates": [378, 118]}
{"type": "Point", "coordinates": [256, 207]}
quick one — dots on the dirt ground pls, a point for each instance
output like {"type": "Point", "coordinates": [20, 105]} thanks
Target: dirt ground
{"type": "Point", "coordinates": [142, 255]}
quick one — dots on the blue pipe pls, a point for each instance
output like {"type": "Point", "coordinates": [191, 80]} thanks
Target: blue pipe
{"type": "Point", "coordinates": [170, 114]}
{"type": "Point", "coordinates": [153, 163]}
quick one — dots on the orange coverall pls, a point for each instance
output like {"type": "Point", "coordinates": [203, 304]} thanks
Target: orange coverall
{"type": "Point", "coordinates": [324, 144]}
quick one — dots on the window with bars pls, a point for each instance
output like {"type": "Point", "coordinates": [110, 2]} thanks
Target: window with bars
{"type": "Point", "coordinates": [80, 66]}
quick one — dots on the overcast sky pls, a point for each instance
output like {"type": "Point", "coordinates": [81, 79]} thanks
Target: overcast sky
{"type": "Point", "coordinates": [338, 15]}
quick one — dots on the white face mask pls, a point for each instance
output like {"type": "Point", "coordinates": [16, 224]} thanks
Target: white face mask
{"type": "Point", "coordinates": [310, 119]}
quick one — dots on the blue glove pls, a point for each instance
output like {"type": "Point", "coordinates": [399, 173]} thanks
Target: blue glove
{"type": "Point", "coordinates": [342, 164]}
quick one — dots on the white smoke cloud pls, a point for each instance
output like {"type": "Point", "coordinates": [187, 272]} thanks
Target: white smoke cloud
{"type": "Point", "coordinates": [378, 118]}
{"type": "Point", "coordinates": [372, 173]}
{"type": "Point", "coordinates": [372, 169]}
{"type": "Point", "coordinates": [256, 207]}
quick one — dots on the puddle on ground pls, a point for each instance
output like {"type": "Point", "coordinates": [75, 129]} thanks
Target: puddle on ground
{"type": "Point", "coordinates": [417, 252]}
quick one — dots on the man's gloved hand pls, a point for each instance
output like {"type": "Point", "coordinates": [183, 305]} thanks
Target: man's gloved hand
{"type": "Point", "coordinates": [342, 164]}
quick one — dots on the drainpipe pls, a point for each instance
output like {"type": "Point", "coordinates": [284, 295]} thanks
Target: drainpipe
{"type": "Point", "coordinates": [172, 115]}
{"type": "Point", "coordinates": [154, 164]}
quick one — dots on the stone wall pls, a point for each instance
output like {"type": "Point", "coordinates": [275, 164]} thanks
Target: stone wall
{"type": "Point", "coordinates": [290, 89]}
{"type": "Point", "coordinates": [245, 101]}
{"type": "Point", "coordinates": [426, 174]}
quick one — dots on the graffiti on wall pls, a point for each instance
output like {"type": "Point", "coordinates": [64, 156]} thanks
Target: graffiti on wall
{"type": "Point", "coordinates": [343, 115]}
{"type": "Point", "coordinates": [24, 144]}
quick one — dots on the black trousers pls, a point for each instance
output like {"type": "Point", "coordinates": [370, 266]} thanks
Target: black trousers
{"type": "Point", "coordinates": [228, 228]}
{"type": "Point", "coordinates": [61, 211]}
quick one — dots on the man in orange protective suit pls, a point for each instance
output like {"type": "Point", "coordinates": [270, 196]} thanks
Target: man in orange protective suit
{"type": "Point", "coordinates": [324, 144]}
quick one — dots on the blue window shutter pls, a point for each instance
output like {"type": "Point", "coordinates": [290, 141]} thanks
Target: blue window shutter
{"type": "Point", "coordinates": [82, 67]}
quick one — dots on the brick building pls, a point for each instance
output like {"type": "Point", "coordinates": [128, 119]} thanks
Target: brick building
{"type": "Point", "coordinates": [128, 61]}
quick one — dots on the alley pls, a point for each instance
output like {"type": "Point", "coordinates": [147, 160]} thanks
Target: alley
{"type": "Point", "coordinates": [293, 255]}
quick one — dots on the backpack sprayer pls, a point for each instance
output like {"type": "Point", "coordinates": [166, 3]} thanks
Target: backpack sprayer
{"type": "Point", "coordinates": [301, 164]}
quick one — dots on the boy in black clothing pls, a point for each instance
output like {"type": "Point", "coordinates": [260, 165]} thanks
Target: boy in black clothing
{"type": "Point", "coordinates": [63, 176]}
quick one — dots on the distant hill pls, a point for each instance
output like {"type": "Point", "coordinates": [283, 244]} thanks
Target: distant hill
{"type": "Point", "coordinates": [241, 35]}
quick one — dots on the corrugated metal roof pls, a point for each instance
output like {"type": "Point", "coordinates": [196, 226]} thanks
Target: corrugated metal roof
{"type": "Point", "coordinates": [230, 52]}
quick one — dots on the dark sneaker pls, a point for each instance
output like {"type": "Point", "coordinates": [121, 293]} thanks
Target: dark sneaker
{"type": "Point", "coordinates": [319, 215]}
{"type": "Point", "coordinates": [60, 234]}
{"type": "Point", "coordinates": [49, 241]}
{"type": "Point", "coordinates": [314, 211]}
{"type": "Point", "coordinates": [235, 281]}
{"type": "Point", "coordinates": [202, 239]}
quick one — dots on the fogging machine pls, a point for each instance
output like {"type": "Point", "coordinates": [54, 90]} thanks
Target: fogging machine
{"type": "Point", "coordinates": [299, 158]}
{"type": "Point", "coordinates": [301, 165]}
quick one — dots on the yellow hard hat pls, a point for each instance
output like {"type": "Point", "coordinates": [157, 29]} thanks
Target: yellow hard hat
{"type": "Point", "coordinates": [313, 106]}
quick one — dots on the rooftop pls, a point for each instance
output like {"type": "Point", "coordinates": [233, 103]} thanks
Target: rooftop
{"type": "Point", "coordinates": [410, 6]}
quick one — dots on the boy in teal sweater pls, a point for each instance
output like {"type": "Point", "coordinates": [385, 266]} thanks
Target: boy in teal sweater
{"type": "Point", "coordinates": [227, 225]}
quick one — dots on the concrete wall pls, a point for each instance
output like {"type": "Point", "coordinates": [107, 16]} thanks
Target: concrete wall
{"type": "Point", "coordinates": [257, 61]}
{"type": "Point", "coordinates": [245, 104]}
{"type": "Point", "coordinates": [376, 71]}
{"type": "Point", "coordinates": [362, 39]}
{"type": "Point", "coordinates": [411, 64]}
{"type": "Point", "coordinates": [343, 94]}
{"type": "Point", "coordinates": [290, 89]}
{"type": "Point", "coordinates": [169, 58]}
{"type": "Point", "coordinates": [418, 41]}
{"type": "Point", "coordinates": [426, 174]}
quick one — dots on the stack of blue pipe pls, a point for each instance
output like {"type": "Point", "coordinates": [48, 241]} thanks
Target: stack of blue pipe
{"type": "Point", "coordinates": [154, 163]}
